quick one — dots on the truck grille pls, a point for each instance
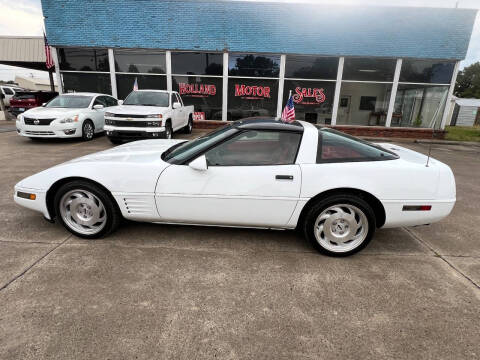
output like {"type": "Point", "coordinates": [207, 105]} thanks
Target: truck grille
{"type": "Point", "coordinates": [33, 121]}
{"type": "Point", "coordinates": [128, 116]}
{"type": "Point", "coordinates": [126, 123]}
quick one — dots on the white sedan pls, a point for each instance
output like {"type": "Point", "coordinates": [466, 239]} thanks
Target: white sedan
{"type": "Point", "coordinates": [263, 173]}
{"type": "Point", "coordinates": [66, 116]}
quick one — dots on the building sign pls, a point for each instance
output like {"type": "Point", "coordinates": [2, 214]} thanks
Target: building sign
{"type": "Point", "coordinates": [252, 92]}
{"type": "Point", "coordinates": [309, 96]}
{"type": "Point", "coordinates": [197, 90]}
{"type": "Point", "coordinates": [198, 115]}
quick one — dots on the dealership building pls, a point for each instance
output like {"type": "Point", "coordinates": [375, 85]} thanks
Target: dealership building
{"type": "Point", "coordinates": [391, 67]}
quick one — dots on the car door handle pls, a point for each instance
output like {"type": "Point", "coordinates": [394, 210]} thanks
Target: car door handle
{"type": "Point", "coordinates": [283, 177]}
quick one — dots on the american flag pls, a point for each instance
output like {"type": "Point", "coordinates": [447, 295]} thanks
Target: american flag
{"type": "Point", "coordinates": [135, 85]}
{"type": "Point", "coordinates": [48, 55]}
{"type": "Point", "coordinates": [288, 113]}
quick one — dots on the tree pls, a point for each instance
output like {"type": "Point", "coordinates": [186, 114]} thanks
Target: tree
{"type": "Point", "coordinates": [468, 82]}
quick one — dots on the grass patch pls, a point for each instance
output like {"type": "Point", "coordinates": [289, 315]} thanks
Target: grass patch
{"type": "Point", "coordinates": [463, 133]}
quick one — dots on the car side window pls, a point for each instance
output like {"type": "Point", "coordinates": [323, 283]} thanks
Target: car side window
{"type": "Point", "coordinates": [256, 147]}
{"type": "Point", "coordinates": [111, 101]}
{"type": "Point", "coordinates": [179, 99]}
{"type": "Point", "coordinates": [7, 91]}
{"type": "Point", "coordinates": [173, 98]}
{"type": "Point", "coordinates": [334, 146]}
{"type": "Point", "coordinates": [100, 100]}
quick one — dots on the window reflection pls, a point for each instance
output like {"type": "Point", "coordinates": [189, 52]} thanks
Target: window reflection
{"type": "Point", "coordinates": [140, 61]}
{"type": "Point", "coordinates": [254, 65]}
{"type": "Point", "coordinates": [427, 71]}
{"type": "Point", "coordinates": [83, 59]}
{"type": "Point", "coordinates": [311, 67]}
{"type": "Point", "coordinates": [195, 63]}
{"type": "Point", "coordinates": [369, 69]}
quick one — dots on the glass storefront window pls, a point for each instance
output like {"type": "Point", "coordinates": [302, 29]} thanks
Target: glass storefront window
{"type": "Point", "coordinates": [363, 104]}
{"type": "Point", "coordinates": [83, 59]}
{"type": "Point", "coordinates": [125, 83]}
{"type": "Point", "coordinates": [251, 97]}
{"type": "Point", "coordinates": [140, 61]}
{"type": "Point", "coordinates": [253, 65]}
{"type": "Point", "coordinates": [427, 71]}
{"type": "Point", "coordinates": [369, 69]}
{"type": "Point", "coordinates": [196, 63]}
{"type": "Point", "coordinates": [313, 99]}
{"type": "Point", "coordinates": [204, 93]}
{"type": "Point", "coordinates": [419, 105]}
{"type": "Point", "coordinates": [89, 82]}
{"type": "Point", "coordinates": [311, 67]}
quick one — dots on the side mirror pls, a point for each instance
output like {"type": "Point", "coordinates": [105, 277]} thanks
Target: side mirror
{"type": "Point", "coordinates": [120, 102]}
{"type": "Point", "coordinates": [199, 163]}
{"type": "Point", "coordinates": [177, 105]}
{"type": "Point", "coordinates": [98, 107]}
{"type": "Point", "coordinates": [44, 104]}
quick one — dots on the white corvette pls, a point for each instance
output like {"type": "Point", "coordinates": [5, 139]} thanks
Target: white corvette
{"type": "Point", "coordinates": [263, 173]}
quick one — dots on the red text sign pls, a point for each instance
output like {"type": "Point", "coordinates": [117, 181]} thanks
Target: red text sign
{"type": "Point", "coordinates": [197, 90]}
{"type": "Point", "coordinates": [252, 92]}
{"type": "Point", "coordinates": [198, 116]}
{"type": "Point", "coordinates": [317, 95]}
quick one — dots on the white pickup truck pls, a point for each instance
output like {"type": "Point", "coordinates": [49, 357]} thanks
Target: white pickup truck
{"type": "Point", "coordinates": [148, 114]}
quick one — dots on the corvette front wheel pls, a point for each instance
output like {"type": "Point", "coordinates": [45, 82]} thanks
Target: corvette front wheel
{"type": "Point", "coordinates": [86, 210]}
{"type": "Point", "coordinates": [340, 225]}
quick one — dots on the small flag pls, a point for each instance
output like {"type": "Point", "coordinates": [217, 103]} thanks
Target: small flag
{"type": "Point", "coordinates": [135, 85]}
{"type": "Point", "coordinates": [288, 113]}
{"type": "Point", "coordinates": [48, 55]}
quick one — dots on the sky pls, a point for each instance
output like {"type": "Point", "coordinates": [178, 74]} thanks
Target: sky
{"type": "Point", "coordinates": [24, 18]}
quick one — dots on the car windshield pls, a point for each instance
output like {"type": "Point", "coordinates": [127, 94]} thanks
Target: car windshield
{"type": "Point", "coordinates": [70, 102]}
{"type": "Point", "coordinates": [147, 98]}
{"type": "Point", "coordinates": [178, 153]}
{"type": "Point", "coordinates": [24, 96]}
{"type": "Point", "coordinates": [335, 146]}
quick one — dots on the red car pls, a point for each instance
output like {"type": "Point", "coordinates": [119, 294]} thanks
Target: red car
{"type": "Point", "coordinates": [24, 100]}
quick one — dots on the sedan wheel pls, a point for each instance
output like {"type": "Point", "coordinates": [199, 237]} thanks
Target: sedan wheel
{"type": "Point", "coordinates": [86, 210]}
{"type": "Point", "coordinates": [87, 130]}
{"type": "Point", "coordinates": [340, 225]}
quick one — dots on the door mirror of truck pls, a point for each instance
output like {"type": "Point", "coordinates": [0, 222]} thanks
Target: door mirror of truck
{"type": "Point", "coordinates": [120, 102]}
{"type": "Point", "coordinates": [177, 105]}
{"type": "Point", "coordinates": [98, 107]}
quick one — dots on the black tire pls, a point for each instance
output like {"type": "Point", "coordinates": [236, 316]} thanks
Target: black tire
{"type": "Point", "coordinates": [88, 130]}
{"type": "Point", "coordinates": [115, 141]}
{"type": "Point", "coordinates": [189, 127]}
{"type": "Point", "coordinates": [168, 130]}
{"type": "Point", "coordinates": [113, 214]}
{"type": "Point", "coordinates": [313, 213]}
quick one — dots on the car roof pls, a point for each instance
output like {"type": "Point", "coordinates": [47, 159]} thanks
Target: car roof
{"type": "Point", "coordinates": [155, 90]}
{"type": "Point", "coordinates": [265, 123]}
{"type": "Point", "coordinates": [86, 94]}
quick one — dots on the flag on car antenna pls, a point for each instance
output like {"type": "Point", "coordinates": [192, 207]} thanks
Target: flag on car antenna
{"type": "Point", "coordinates": [288, 113]}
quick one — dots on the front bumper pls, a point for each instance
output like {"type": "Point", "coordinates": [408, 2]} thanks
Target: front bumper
{"type": "Point", "coordinates": [134, 132]}
{"type": "Point", "coordinates": [39, 204]}
{"type": "Point", "coordinates": [54, 130]}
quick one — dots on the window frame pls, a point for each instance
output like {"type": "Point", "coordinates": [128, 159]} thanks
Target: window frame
{"type": "Point", "coordinates": [242, 131]}
{"type": "Point", "coordinates": [319, 159]}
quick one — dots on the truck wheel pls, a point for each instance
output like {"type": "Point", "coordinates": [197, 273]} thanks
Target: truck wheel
{"type": "Point", "coordinates": [188, 129]}
{"type": "Point", "coordinates": [168, 130]}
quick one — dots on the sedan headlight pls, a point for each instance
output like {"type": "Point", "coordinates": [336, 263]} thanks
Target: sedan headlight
{"type": "Point", "coordinates": [70, 119]}
{"type": "Point", "coordinates": [109, 114]}
{"type": "Point", "coordinates": [20, 117]}
{"type": "Point", "coordinates": [157, 116]}
{"type": "Point", "coordinates": [154, 123]}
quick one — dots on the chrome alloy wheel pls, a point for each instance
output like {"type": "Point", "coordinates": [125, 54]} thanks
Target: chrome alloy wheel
{"type": "Point", "coordinates": [341, 228]}
{"type": "Point", "coordinates": [83, 211]}
{"type": "Point", "coordinates": [88, 130]}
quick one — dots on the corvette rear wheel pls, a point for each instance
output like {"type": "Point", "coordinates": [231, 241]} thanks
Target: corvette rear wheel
{"type": "Point", "coordinates": [86, 210]}
{"type": "Point", "coordinates": [340, 225]}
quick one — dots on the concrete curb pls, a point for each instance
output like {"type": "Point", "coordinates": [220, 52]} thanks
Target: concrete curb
{"type": "Point", "coordinates": [448, 142]}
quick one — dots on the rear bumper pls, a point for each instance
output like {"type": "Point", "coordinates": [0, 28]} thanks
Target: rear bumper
{"type": "Point", "coordinates": [397, 217]}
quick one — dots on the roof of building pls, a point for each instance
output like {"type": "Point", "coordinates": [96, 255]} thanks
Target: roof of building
{"type": "Point", "coordinates": [269, 27]}
{"type": "Point", "coordinates": [468, 102]}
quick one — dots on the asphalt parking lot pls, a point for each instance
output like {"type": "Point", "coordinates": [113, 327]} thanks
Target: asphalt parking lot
{"type": "Point", "coordinates": [163, 291]}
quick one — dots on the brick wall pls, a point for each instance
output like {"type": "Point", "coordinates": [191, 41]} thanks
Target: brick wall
{"type": "Point", "coordinates": [367, 131]}
{"type": "Point", "coordinates": [442, 33]}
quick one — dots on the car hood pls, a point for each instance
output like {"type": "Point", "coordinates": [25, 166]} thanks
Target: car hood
{"type": "Point", "coordinates": [137, 110]}
{"type": "Point", "coordinates": [45, 113]}
{"type": "Point", "coordinates": [135, 152]}
{"type": "Point", "coordinates": [117, 169]}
